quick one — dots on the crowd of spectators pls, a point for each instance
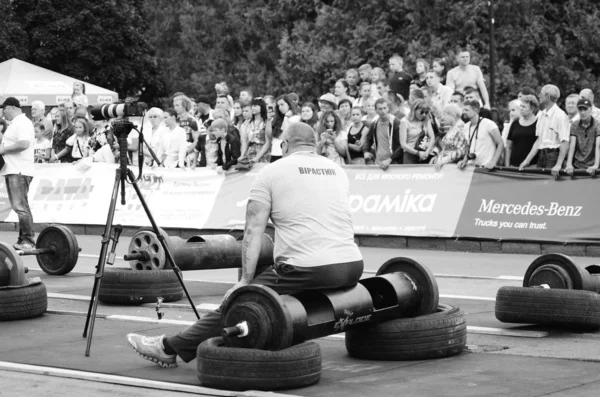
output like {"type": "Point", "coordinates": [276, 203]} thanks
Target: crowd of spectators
{"type": "Point", "coordinates": [433, 115]}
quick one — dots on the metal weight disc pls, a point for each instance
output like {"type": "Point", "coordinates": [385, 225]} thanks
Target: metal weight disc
{"type": "Point", "coordinates": [269, 322]}
{"type": "Point", "coordinates": [423, 277]}
{"type": "Point", "coordinates": [145, 239]}
{"type": "Point", "coordinates": [556, 270]}
{"type": "Point", "coordinates": [65, 253]}
{"type": "Point", "coordinates": [12, 271]}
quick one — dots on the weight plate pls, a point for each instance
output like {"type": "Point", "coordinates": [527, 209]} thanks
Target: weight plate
{"type": "Point", "coordinates": [423, 277]}
{"type": "Point", "coordinates": [542, 266]}
{"type": "Point", "coordinates": [145, 239]}
{"type": "Point", "coordinates": [269, 322]}
{"type": "Point", "coordinates": [12, 271]}
{"type": "Point", "coordinates": [61, 240]}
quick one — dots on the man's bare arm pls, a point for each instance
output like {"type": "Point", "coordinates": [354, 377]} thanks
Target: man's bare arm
{"type": "Point", "coordinates": [257, 216]}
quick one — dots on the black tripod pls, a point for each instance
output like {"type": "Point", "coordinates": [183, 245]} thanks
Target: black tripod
{"type": "Point", "coordinates": [121, 130]}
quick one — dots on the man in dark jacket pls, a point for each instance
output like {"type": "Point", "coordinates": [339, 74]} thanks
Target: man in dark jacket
{"type": "Point", "coordinates": [382, 142]}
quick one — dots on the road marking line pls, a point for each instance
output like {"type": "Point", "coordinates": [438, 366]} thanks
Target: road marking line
{"type": "Point", "coordinates": [506, 332]}
{"type": "Point", "coordinates": [83, 298]}
{"type": "Point", "coordinates": [129, 381]}
{"type": "Point", "coordinates": [475, 298]}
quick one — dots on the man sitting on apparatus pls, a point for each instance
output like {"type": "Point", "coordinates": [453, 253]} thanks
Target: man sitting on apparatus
{"type": "Point", "coordinates": [307, 198]}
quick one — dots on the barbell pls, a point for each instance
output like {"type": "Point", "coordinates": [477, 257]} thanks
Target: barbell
{"type": "Point", "coordinates": [255, 316]}
{"type": "Point", "coordinates": [56, 251]}
{"type": "Point", "coordinates": [558, 271]}
{"type": "Point", "coordinates": [221, 251]}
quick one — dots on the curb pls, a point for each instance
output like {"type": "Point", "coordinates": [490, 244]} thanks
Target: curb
{"type": "Point", "coordinates": [398, 242]}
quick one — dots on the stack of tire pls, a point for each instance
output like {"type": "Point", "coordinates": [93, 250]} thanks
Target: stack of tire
{"type": "Point", "coordinates": [126, 286]}
{"type": "Point", "coordinates": [555, 292]}
{"type": "Point", "coordinates": [20, 297]}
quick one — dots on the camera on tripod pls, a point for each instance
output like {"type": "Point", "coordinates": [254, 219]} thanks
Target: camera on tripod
{"type": "Point", "coordinates": [118, 110]}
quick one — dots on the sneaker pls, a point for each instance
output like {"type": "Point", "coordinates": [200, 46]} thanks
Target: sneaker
{"type": "Point", "coordinates": [23, 246]}
{"type": "Point", "coordinates": [151, 348]}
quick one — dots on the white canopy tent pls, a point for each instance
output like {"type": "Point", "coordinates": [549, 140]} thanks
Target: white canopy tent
{"type": "Point", "coordinates": [28, 83]}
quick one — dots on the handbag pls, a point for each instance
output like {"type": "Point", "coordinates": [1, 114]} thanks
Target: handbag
{"type": "Point", "coordinates": [422, 144]}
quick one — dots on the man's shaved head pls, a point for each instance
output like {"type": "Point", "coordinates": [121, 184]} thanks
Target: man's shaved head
{"type": "Point", "coordinates": [300, 134]}
{"type": "Point", "coordinates": [587, 94]}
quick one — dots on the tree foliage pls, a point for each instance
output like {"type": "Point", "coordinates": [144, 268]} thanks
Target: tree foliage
{"type": "Point", "coordinates": [100, 41]}
{"type": "Point", "coordinates": [278, 46]}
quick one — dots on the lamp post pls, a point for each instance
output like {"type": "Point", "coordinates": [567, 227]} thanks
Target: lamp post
{"type": "Point", "coordinates": [492, 54]}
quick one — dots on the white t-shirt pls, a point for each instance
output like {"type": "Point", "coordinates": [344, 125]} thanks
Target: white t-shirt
{"type": "Point", "coordinates": [458, 78]}
{"type": "Point", "coordinates": [309, 197]}
{"type": "Point", "coordinates": [80, 146]}
{"type": "Point", "coordinates": [40, 147]}
{"type": "Point", "coordinates": [276, 142]}
{"type": "Point", "coordinates": [20, 129]}
{"type": "Point", "coordinates": [482, 143]}
{"type": "Point", "coordinates": [172, 147]}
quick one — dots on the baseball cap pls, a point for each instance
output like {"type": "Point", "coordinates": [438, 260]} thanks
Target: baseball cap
{"type": "Point", "coordinates": [203, 99]}
{"type": "Point", "coordinates": [584, 103]}
{"type": "Point", "coordinates": [11, 101]}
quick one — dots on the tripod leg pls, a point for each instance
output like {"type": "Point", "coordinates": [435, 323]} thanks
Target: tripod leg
{"type": "Point", "coordinates": [162, 240]}
{"type": "Point", "coordinates": [91, 316]}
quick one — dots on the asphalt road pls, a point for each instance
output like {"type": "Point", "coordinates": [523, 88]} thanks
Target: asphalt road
{"type": "Point", "coordinates": [469, 280]}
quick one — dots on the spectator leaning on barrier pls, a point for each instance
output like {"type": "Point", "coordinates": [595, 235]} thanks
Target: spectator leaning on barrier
{"type": "Point", "coordinates": [38, 115]}
{"type": "Point", "coordinates": [571, 107]}
{"type": "Point", "coordinates": [17, 148]}
{"type": "Point", "coordinates": [222, 146]}
{"type": "Point", "coordinates": [332, 142]}
{"type": "Point", "coordinates": [471, 94]}
{"type": "Point", "coordinates": [467, 75]}
{"type": "Point", "coordinates": [172, 147]}
{"type": "Point", "coordinates": [256, 146]}
{"type": "Point", "coordinates": [416, 134]}
{"type": "Point", "coordinates": [357, 130]}
{"type": "Point", "coordinates": [521, 133]}
{"type": "Point", "coordinates": [552, 133]}
{"type": "Point", "coordinates": [42, 146]}
{"type": "Point", "coordinates": [588, 94]}
{"type": "Point", "coordinates": [382, 142]}
{"type": "Point", "coordinates": [485, 142]}
{"type": "Point", "coordinates": [584, 146]}
{"type": "Point", "coordinates": [63, 132]}
{"type": "Point", "coordinates": [452, 144]}
{"type": "Point", "coordinates": [157, 128]}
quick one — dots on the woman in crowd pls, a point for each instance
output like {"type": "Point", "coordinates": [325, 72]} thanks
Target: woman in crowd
{"type": "Point", "coordinates": [452, 144]}
{"type": "Point", "coordinates": [365, 93]}
{"type": "Point", "coordinates": [238, 118]}
{"type": "Point", "coordinates": [356, 132]}
{"type": "Point", "coordinates": [514, 113]}
{"type": "Point", "coordinates": [416, 134]}
{"type": "Point", "coordinates": [64, 130]}
{"type": "Point", "coordinates": [421, 69]}
{"type": "Point", "coordinates": [255, 140]}
{"type": "Point", "coordinates": [344, 110]}
{"type": "Point", "coordinates": [310, 115]}
{"type": "Point", "coordinates": [78, 143]}
{"type": "Point", "coordinates": [157, 127]}
{"type": "Point", "coordinates": [439, 66]}
{"type": "Point", "coordinates": [286, 112]}
{"type": "Point", "coordinates": [341, 89]}
{"type": "Point", "coordinates": [332, 142]}
{"type": "Point", "coordinates": [521, 135]}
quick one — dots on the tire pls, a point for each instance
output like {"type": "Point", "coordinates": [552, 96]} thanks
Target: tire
{"type": "Point", "coordinates": [232, 368]}
{"type": "Point", "coordinates": [436, 335]}
{"type": "Point", "coordinates": [542, 306]}
{"type": "Point", "coordinates": [123, 286]}
{"type": "Point", "coordinates": [27, 301]}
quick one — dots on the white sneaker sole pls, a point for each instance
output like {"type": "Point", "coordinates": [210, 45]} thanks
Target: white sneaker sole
{"type": "Point", "coordinates": [153, 359]}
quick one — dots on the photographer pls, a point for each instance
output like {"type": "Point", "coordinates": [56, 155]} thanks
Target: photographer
{"type": "Point", "coordinates": [485, 142]}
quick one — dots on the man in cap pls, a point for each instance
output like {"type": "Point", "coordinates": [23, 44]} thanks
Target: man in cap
{"type": "Point", "coordinates": [584, 145]}
{"type": "Point", "coordinates": [307, 197]}
{"type": "Point", "coordinates": [588, 94]}
{"type": "Point", "coordinates": [17, 151]}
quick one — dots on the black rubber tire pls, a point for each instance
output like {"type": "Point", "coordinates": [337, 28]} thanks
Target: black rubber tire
{"type": "Point", "coordinates": [28, 301]}
{"type": "Point", "coordinates": [123, 286]}
{"type": "Point", "coordinates": [435, 335]}
{"type": "Point", "coordinates": [232, 368]}
{"type": "Point", "coordinates": [563, 307]}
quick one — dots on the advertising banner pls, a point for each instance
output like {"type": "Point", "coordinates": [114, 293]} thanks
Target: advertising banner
{"type": "Point", "coordinates": [410, 200]}
{"type": "Point", "coordinates": [519, 206]}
